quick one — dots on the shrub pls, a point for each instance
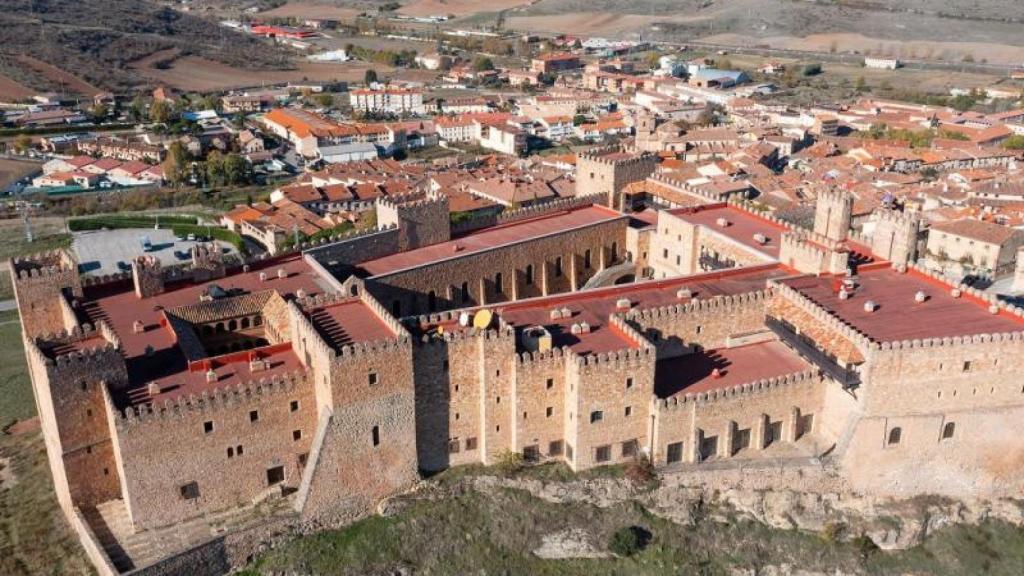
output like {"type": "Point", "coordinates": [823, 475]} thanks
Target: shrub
{"type": "Point", "coordinates": [630, 540]}
{"type": "Point", "coordinates": [641, 471]}
{"type": "Point", "coordinates": [833, 532]}
{"type": "Point", "coordinates": [510, 462]}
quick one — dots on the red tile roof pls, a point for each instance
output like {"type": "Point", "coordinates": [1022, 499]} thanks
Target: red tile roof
{"type": "Point", "coordinates": [695, 373]}
{"type": "Point", "coordinates": [898, 316]}
{"type": "Point", "coordinates": [491, 238]}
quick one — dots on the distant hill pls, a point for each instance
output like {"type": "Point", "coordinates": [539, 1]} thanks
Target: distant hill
{"type": "Point", "coordinates": [94, 40]}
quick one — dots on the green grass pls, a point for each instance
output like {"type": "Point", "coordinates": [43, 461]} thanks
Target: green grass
{"type": "Point", "coordinates": [34, 537]}
{"type": "Point", "coordinates": [48, 235]}
{"type": "Point", "coordinates": [16, 401]}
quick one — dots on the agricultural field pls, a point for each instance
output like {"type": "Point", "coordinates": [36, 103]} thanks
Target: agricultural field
{"type": "Point", "coordinates": [13, 170]}
{"type": "Point", "coordinates": [458, 7]}
{"type": "Point", "coordinates": [312, 10]}
{"type": "Point", "coordinates": [195, 73]}
{"type": "Point", "coordinates": [11, 90]}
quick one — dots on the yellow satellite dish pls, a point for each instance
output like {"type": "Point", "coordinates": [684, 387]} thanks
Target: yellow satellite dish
{"type": "Point", "coordinates": [482, 319]}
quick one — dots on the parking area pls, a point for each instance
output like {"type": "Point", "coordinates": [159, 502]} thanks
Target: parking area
{"type": "Point", "coordinates": [110, 251]}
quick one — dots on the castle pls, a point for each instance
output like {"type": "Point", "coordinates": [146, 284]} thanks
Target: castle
{"type": "Point", "coordinates": [336, 375]}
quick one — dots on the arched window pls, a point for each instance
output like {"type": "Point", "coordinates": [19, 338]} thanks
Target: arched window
{"type": "Point", "coordinates": [948, 430]}
{"type": "Point", "coordinates": [498, 283]}
{"type": "Point", "coordinates": [615, 251]}
{"type": "Point", "coordinates": [245, 323]}
{"type": "Point", "coordinates": [465, 292]}
{"type": "Point", "coordinates": [558, 266]}
{"type": "Point", "coordinates": [353, 290]}
{"type": "Point", "coordinates": [894, 436]}
{"type": "Point", "coordinates": [376, 435]}
{"type": "Point", "coordinates": [586, 258]}
{"type": "Point", "coordinates": [529, 274]}
{"type": "Point", "coordinates": [232, 325]}
{"type": "Point", "coordinates": [220, 327]}
{"type": "Point", "coordinates": [257, 321]}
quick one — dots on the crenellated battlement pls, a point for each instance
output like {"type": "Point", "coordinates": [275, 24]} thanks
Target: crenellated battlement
{"type": "Point", "coordinates": [555, 355]}
{"type": "Point", "coordinates": [618, 322]}
{"type": "Point", "coordinates": [825, 317]}
{"type": "Point", "coordinates": [592, 363]}
{"type": "Point", "coordinates": [81, 344]}
{"type": "Point", "coordinates": [229, 397]}
{"type": "Point", "coordinates": [601, 156]}
{"type": "Point", "coordinates": [762, 386]}
{"type": "Point", "coordinates": [722, 303]}
{"type": "Point", "coordinates": [43, 264]}
{"type": "Point", "coordinates": [372, 348]}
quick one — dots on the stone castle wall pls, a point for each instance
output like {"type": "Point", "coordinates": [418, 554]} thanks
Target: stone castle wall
{"type": "Point", "coordinates": [225, 442]}
{"type": "Point", "coordinates": [478, 272]}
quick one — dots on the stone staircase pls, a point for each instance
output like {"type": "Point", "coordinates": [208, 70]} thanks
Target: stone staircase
{"type": "Point", "coordinates": [129, 550]}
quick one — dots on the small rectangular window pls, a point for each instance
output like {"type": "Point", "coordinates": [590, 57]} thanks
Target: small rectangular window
{"type": "Point", "coordinates": [629, 448]}
{"type": "Point", "coordinates": [629, 411]}
{"type": "Point", "coordinates": [376, 435]}
{"type": "Point", "coordinates": [629, 383]}
{"type": "Point", "coordinates": [208, 426]}
{"type": "Point", "coordinates": [596, 416]}
{"type": "Point", "coordinates": [549, 411]}
{"type": "Point", "coordinates": [603, 453]}
{"type": "Point", "coordinates": [470, 443]}
{"type": "Point", "coordinates": [372, 378]}
{"type": "Point", "coordinates": [254, 415]}
{"type": "Point", "coordinates": [674, 452]}
{"type": "Point", "coordinates": [967, 365]}
{"type": "Point", "coordinates": [555, 448]}
{"type": "Point", "coordinates": [550, 383]}
{"type": "Point", "coordinates": [453, 446]}
{"type": "Point", "coordinates": [293, 406]}
{"type": "Point", "coordinates": [296, 434]}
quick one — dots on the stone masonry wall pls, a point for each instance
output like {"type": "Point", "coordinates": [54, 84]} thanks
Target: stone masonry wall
{"type": "Point", "coordinates": [478, 272]}
{"type": "Point", "coordinates": [224, 442]}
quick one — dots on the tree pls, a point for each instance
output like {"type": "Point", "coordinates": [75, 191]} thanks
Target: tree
{"type": "Point", "coordinates": [861, 85]}
{"type": "Point", "coordinates": [630, 540]}
{"type": "Point", "coordinates": [579, 119]}
{"type": "Point", "coordinates": [1015, 142]}
{"type": "Point", "coordinates": [176, 163]}
{"type": "Point", "coordinates": [159, 112]}
{"type": "Point", "coordinates": [483, 63]}
{"type": "Point", "coordinates": [137, 109]}
{"type": "Point", "coordinates": [324, 100]}
{"type": "Point", "coordinates": [99, 112]}
{"type": "Point", "coordinates": [236, 169]}
{"type": "Point", "coordinates": [214, 169]}
{"type": "Point", "coordinates": [22, 143]}
{"type": "Point", "coordinates": [370, 76]}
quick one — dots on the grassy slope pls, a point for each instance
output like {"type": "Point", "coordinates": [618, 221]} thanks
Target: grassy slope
{"type": "Point", "coordinates": [495, 534]}
{"type": "Point", "coordinates": [16, 401]}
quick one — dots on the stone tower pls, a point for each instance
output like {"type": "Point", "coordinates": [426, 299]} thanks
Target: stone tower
{"type": "Point", "coordinates": [148, 276]}
{"type": "Point", "coordinates": [833, 214]}
{"type": "Point", "coordinates": [207, 262]}
{"type": "Point", "coordinates": [895, 236]}
{"type": "Point", "coordinates": [72, 373]}
{"type": "Point", "coordinates": [422, 219]}
{"type": "Point", "coordinates": [607, 171]}
{"type": "Point", "coordinates": [646, 132]}
{"type": "Point", "coordinates": [40, 282]}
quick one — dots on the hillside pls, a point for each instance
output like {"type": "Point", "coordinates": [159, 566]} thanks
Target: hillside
{"type": "Point", "coordinates": [94, 40]}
